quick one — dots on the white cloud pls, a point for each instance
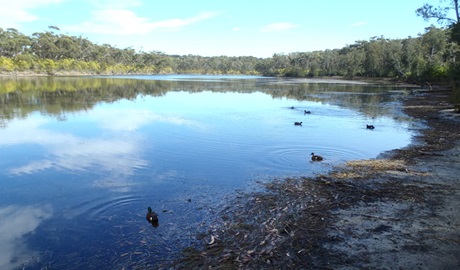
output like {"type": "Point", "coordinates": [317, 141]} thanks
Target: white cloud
{"type": "Point", "coordinates": [114, 4]}
{"type": "Point", "coordinates": [276, 27]}
{"type": "Point", "coordinates": [127, 22]}
{"type": "Point", "coordinates": [27, 4]}
{"type": "Point", "coordinates": [12, 13]}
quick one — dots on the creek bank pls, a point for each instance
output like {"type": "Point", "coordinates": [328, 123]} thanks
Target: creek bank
{"type": "Point", "coordinates": [399, 211]}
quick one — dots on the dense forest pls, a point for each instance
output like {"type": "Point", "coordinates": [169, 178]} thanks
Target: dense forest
{"type": "Point", "coordinates": [430, 57]}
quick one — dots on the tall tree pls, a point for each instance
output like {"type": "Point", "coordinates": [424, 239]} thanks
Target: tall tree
{"type": "Point", "coordinates": [442, 15]}
{"type": "Point", "coordinates": [13, 43]}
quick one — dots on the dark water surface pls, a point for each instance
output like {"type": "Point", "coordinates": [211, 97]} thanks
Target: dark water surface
{"type": "Point", "coordinates": [81, 159]}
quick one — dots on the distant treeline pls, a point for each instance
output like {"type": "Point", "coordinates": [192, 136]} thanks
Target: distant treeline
{"type": "Point", "coordinates": [429, 57]}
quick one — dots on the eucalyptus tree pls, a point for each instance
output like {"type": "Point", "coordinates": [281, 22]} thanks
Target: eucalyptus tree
{"type": "Point", "coordinates": [189, 63]}
{"type": "Point", "coordinates": [434, 46]}
{"type": "Point", "coordinates": [434, 43]}
{"type": "Point", "coordinates": [351, 60]}
{"type": "Point", "coordinates": [392, 55]}
{"type": "Point", "coordinates": [162, 62]}
{"type": "Point", "coordinates": [122, 56]}
{"type": "Point", "coordinates": [373, 62]}
{"type": "Point", "coordinates": [412, 57]}
{"type": "Point", "coordinates": [103, 54]}
{"type": "Point", "coordinates": [84, 47]}
{"type": "Point", "coordinates": [329, 63]}
{"type": "Point", "coordinates": [442, 14]}
{"type": "Point", "coordinates": [280, 62]}
{"type": "Point", "coordinates": [13, 43]}
{"type": "Point", "coordinates": [44, 45]}
{"type": "Point", "coordinates": [250, 63]}
{"type": "Point", "coordinates": [299, 64]}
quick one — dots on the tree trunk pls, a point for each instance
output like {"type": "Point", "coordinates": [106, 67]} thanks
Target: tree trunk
{"type": "Point", "coordinates": [456, 10]}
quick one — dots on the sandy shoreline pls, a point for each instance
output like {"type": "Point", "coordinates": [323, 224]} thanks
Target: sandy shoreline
{"type": "Point", "coordinates": [400, 211]}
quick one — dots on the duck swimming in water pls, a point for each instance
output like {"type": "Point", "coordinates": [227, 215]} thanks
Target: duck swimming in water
{"type": "Point", "coordinates": [152, 217]}
{"type": "Point", "coordinates": [297, 123]}
{"type": "Point", "coordinates": [306, 112]}
{"type": "Point", "coordinates": [316, 157]}
{"type": "Point", "coordinates": [370, 127]}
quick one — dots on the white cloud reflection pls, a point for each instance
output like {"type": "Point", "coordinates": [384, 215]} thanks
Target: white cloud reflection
{"type": "Point", "coordinates": [133, 119]}
{"type": "Point", "coordinates": [113, 155]}
{"type": "Point", "coordinates": [32, 167]}
{"type": "Point", "coordinates": [15, 222]}
{"type": "Point", "coordinates": [69, 152]}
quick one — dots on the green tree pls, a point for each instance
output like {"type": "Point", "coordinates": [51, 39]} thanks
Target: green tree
{"type": "Point", "coordinates": [43, 45]}
{"type": "Point", "coordinates": [374, 61]}
{"type": "Point", "coordinates": [412, 58]}
{"type": "Point", "coordinates": [13, 43]}
{"type": "Point", "coordinates": [441, 14]}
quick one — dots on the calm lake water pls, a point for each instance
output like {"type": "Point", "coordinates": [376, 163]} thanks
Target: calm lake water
{"type": "Point", "coordinates": [82, 158]}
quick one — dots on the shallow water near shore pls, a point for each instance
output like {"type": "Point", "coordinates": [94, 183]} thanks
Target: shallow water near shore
{"type": "Point", "coordinates": [83, 158]}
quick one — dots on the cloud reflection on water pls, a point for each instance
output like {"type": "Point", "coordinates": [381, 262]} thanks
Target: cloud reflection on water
{"type": "Point", "coordinates": [15, 223]}
{"type": "Point", "coordinates": [113, 155]}
{"type": "Point", "coordinates": [69, 152]}
{"type": "Point", "coordinates": [133, 119]}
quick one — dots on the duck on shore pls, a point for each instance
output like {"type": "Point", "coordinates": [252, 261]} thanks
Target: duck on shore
{"type": "Point", "coordinates": [316, 157]}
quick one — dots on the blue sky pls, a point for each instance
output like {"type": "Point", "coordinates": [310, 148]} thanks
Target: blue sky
{"type": "Point", "coordinates": [216, 27]}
